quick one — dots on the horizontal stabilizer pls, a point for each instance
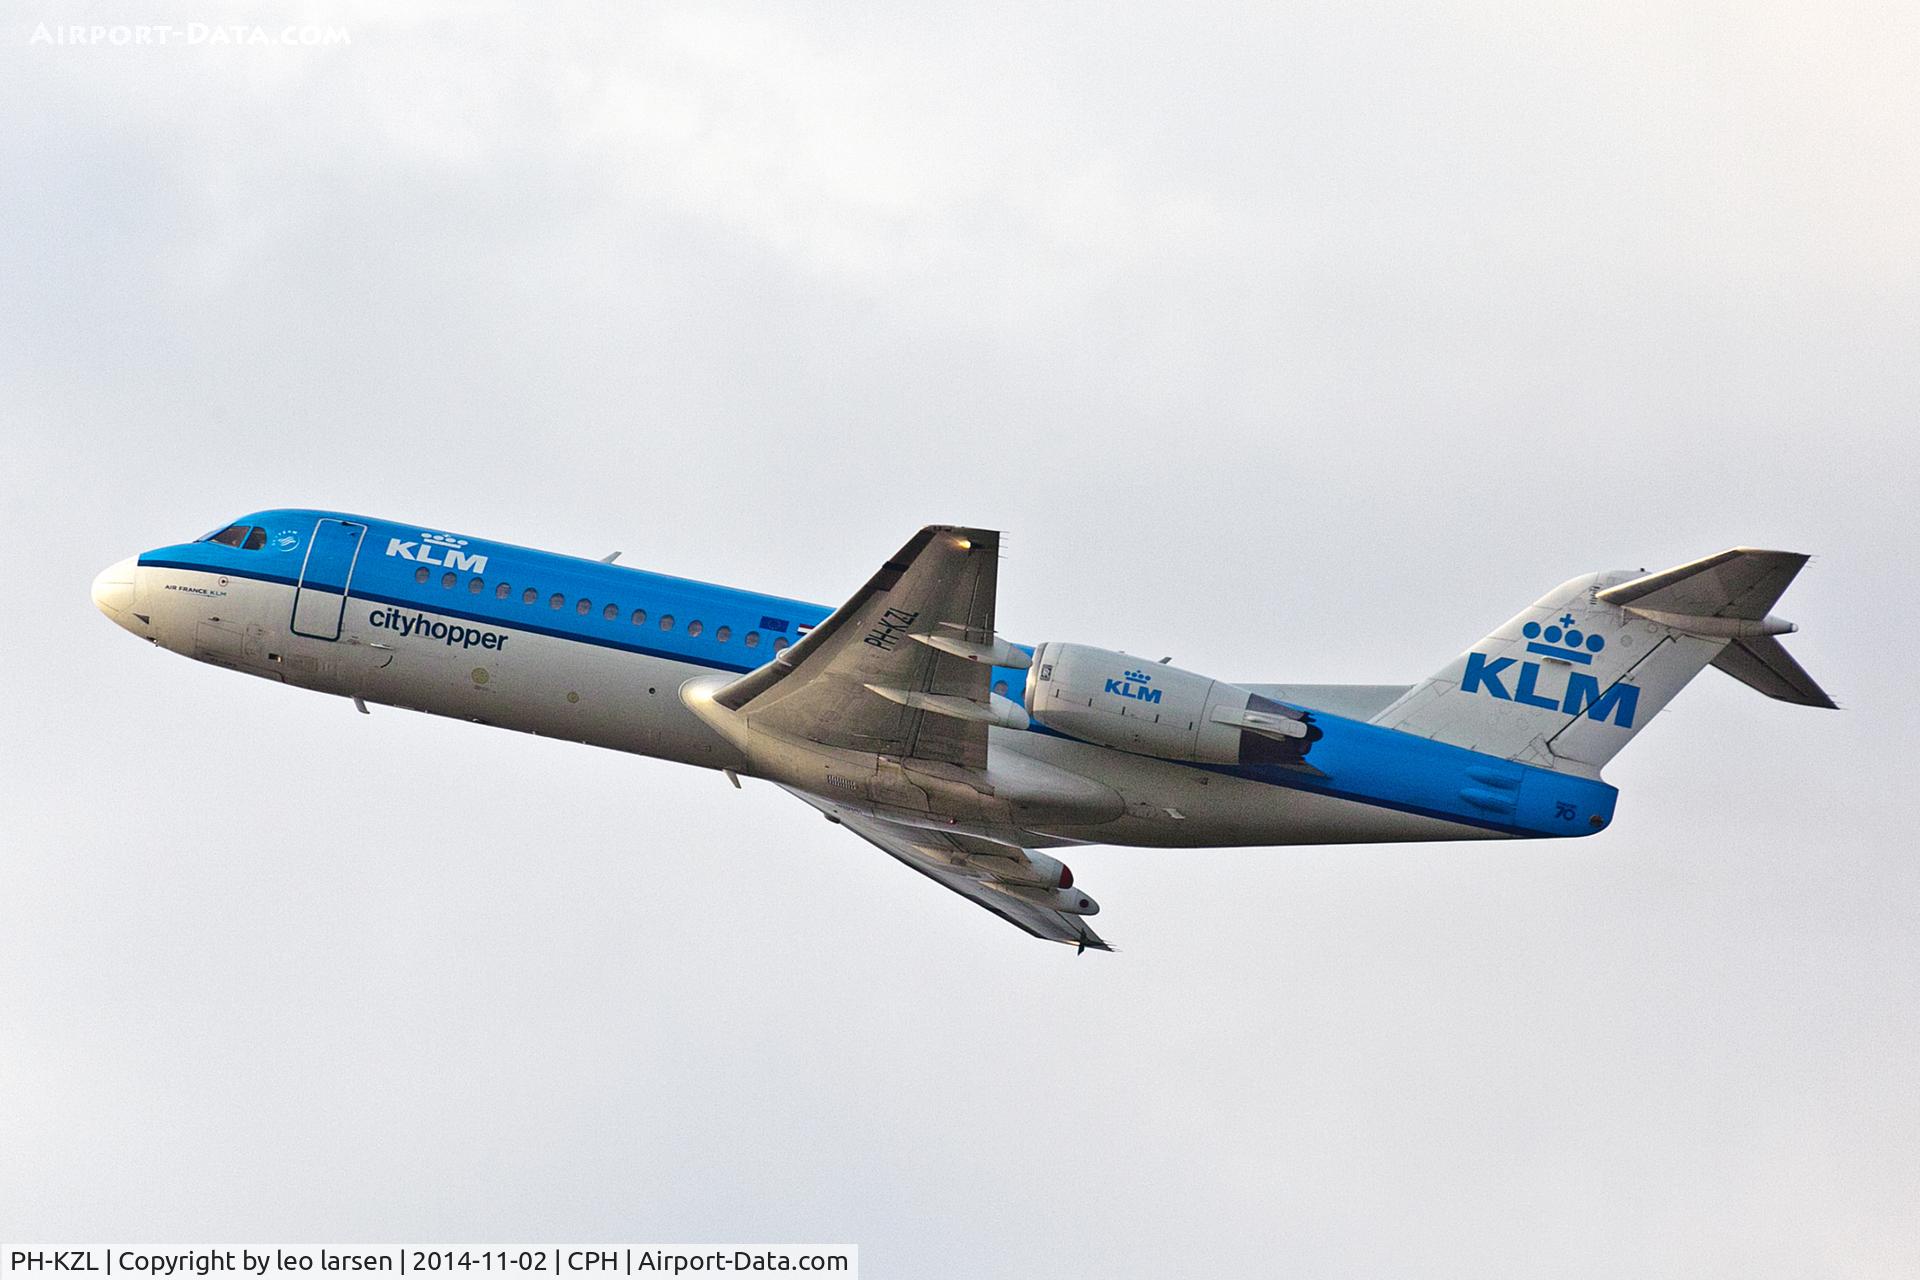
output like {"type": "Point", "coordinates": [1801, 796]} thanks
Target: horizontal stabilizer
{"type": "Point", "coordinates": [1727, 596]}
{"type": "Point", "coordinates": [1742, 583]}
{"type": "Point", "coordinates": [1764, 664]}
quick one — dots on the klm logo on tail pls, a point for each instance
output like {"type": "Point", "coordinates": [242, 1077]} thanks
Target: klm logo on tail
{"type": "Point", "coordinates": [1567, 645]}
{"type": "Point", "coordinates": [1136, 685]}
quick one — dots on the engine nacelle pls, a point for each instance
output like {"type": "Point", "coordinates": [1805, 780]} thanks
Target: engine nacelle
{"type": "Point", "coordinates": [1151, 709]}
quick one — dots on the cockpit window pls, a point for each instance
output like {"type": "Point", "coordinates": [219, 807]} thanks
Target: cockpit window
{"type": "Point", "coordinates": [247, 537]}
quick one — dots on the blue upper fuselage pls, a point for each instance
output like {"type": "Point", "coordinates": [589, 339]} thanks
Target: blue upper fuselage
{"type": "Point", "coordinates": [416, 567]}
{"type": "Point", "coordinates": [411, 567]}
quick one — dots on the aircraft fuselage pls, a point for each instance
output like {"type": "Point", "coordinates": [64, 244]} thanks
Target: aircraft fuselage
{"type": "Point", "coordinates": [610, 656]}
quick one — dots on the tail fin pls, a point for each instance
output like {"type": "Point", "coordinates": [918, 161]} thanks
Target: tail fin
{"type": "Point", "coordinates": [1569, 681]}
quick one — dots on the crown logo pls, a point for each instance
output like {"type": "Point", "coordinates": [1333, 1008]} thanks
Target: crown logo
{"type": "Point", "coordinates": [1563, 640]}
{"type": "Point", "coordinates": [443, 540]}
{"type": "Point", "coordinates": [1138, 677]}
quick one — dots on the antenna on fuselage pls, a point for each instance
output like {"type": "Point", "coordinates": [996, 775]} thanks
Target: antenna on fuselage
{"type": "Point", "coordinates": [610, 557]}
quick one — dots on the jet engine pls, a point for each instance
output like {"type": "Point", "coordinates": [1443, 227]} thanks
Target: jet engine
{"type": "Point", "coordinates": [1151, 709]}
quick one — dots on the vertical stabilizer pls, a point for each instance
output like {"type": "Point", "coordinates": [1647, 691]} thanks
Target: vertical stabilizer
{"type": "Point", "coordinates": [1568, 681]}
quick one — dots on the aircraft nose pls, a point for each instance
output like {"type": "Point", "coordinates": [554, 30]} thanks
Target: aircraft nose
{"type": "Point", "coordinates": [113, 590]}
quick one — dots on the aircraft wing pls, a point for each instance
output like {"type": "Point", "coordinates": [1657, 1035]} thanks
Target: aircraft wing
{"type": "Point", "coordinates": [871, 677]}
{"type": "Point", "coordinates": [1000, 877]}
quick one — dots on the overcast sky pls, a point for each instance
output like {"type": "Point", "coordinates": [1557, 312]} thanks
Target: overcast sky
{"type": "Point", "coordinates": [1300, 342]}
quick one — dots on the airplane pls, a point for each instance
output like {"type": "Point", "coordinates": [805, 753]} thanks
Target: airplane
{"type": "Point", "coordinates": [906, 717]}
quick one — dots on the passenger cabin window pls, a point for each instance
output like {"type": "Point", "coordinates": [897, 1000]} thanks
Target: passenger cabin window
{"type": "Point", "coordinates": [611, 612]}
{"type": "Point", "coordinates": [639, 617]}
{"type": "Point", "coordinates": [723, 634]}
{"type": "Point", "coordinates": [584, 607]}
{"type": "Point", "coordinates": [448, 579]}
{"type": "Point", "coordinates": [529, 596]}
{"type": "Point", "coordinates": [753, 639]}
{"type": "Point", "coordinates": [779, 643]}
{"type": "Point", "coordinates": [420, 574]}
{"type": "Point", "coordinates": [475, 585]}
{"type": "Point", "coordinates": [694, 628]}
{"type": "Point", "coordinates": [666, 622]}
{"type": "Point", "coordinates": [502, 591]}
{"type": "Point", "coordinates": [556, 600]}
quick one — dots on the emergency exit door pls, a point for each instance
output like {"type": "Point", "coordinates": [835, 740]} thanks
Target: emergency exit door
{"type": "Point", "coordinates": [321, 596]}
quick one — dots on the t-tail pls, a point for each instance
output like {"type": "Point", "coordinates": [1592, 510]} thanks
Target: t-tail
{"type": "Point", "coordinates": [1570, 680]}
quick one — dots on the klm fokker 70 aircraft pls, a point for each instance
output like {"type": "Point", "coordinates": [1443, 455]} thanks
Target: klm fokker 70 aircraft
{"type": "Point", "coordinates": [906, 717]}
